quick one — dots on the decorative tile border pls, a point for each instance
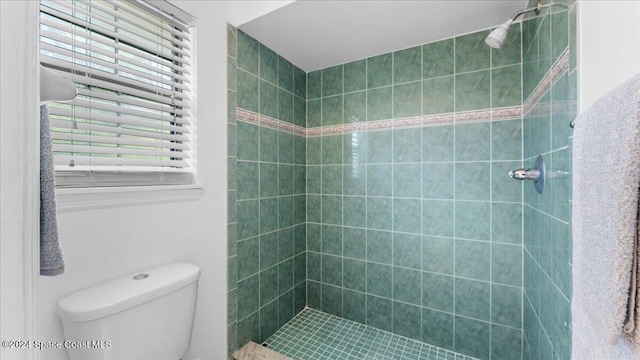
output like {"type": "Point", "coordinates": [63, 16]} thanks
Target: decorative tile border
{"type": "Point", "coordinates": [271, 123]}
{"type": "Point", "coordinates": [381, 125]}
{"type": "Point", "coordinates": [554, 73]}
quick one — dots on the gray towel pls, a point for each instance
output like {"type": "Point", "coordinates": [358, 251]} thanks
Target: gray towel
{"type": "Point", "coordinates": [606, 176]}
{"type": "Point", "coordinates": [51, 260]}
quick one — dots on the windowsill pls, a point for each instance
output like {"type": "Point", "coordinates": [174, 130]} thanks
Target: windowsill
{"type": "Point", "coordinates": [73, 199]}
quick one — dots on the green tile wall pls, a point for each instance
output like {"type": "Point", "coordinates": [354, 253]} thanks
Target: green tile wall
{"type": "Point", "coordinates": [419, 231]}
{"type": "Point", "coordinates": [267, 193]}
{"type": "Point", "coordinates": [547, 217]}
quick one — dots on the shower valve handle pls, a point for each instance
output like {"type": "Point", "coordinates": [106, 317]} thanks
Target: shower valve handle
{"type": "Point", "coordinates": [522, 174]}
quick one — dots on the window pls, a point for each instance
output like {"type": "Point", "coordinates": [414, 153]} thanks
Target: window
{"type": "Point", "coordinates": [132, 121]}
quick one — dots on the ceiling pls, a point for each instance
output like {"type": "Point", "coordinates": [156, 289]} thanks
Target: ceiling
{"type": "Point", "coordinates": [314, 34]}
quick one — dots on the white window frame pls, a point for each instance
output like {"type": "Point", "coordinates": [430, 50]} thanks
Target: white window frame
{"type": "Point", "coordinates": [106, 187]}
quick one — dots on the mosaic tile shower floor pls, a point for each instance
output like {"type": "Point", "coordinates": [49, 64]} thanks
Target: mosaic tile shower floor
{"type": "Point", "coordinates": [314, 335]}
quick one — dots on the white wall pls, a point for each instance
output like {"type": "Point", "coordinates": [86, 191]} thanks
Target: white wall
{"type": "Point", "coordinates": [100, 244]}
{"type": "Point", "coordinates": [609, 46]}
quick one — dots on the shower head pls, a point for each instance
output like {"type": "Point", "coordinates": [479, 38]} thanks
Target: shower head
{"type": "Point", "coordinates": [497, 36]}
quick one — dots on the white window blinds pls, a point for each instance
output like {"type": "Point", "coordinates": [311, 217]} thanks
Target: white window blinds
{"type": "Point", "coordinates": [131, 123]}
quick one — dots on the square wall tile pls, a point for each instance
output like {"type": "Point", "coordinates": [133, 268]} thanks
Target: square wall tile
{"type": "Point", "coordinates": [268, 285]}
{"type": "Point", "coordinates": [472, 53]}
{"type": "Point", "coordinates": [438, 58]}
{"type": "Point", "coordinates": [407, 215]}
{"type": "Point", "coordinates": [437, 180]}
{"type": "Point", "coordinates": [268, 99]}
{"type": "Point", "coordinates": [332, 300]}
{"type": "Point", "coordinates": [406, 320]}
{"type": "Point", "coordinates": [407, 144]}
{"type": "Point", "coordinates": [268, 250]}
{"type": "Point", "coordinates": [406, 179]}
{"type": "Point", "coordinates": [473, 259]}
{"type": "Point", "coordinates": [355, 243]}
{"type": "Point", "coordinates": [379, 103]}
{"type": "Point", "coordinates": [472, 220]}
{"type": "Point", "coordinates": [268, 65]}
{"type": "Point", "coordinates": [379, 246]}
{"type": "Point", "coordinates": [299, 83]}
{"type": "Point", "coordinates": [407, 100]}
{"type": "Point", "coordinates": [332, 270]}
{"type": "Point", "coordinates": [379, 147]}
{"type": "Point", "coordinates": [510, 52]}
{"type": "Point", "coordinates": [354, 306]}
{"type": "Point", "coordinates": [407, 65]}
{"type": "Point", "coordinates": [354, 179]}
{"type": "Point", "coordinates": [506, 140]}
{"type": "Point", "coordinates": [473, 142]}
{"type": "Point", "coordinates": [248, 296]}
{"type": "Point", "coordinates": [437, 95]}
{"type": "Point", "coordinates": [332, 209]}
{"type": "Point", "coordinates": [379, 313]}
{"type": "Point", "coordinates": [248, 91]}
{"type": "Point", "coordinates": [406, 250]}
{"type": "Point", "coordinates": [285, 74]}
{"type": "Point", "coordinates": [249, 329]}
{"type": "Point", "coordinates": [248, 213]}
{"type": "Point", "coordinates": [379, 70]}
{"type": "Point", "coordinates": [506, 264]}
{"type": "Point", "coordinates": [506, 305]}
{"type": "Point", "coordinates": [268, 145]}
{"type": "Point", "coordinates": [314, 84]}
{"type": "Point", "coordinates": [472, 337]}
{"type": "Point", "coordinates": [355, 274]}
{"type": "Point", "coordinates": [437, 292]}
{"type": "Point", "coordinates": [331, 149]}
{"type": "Point", "coordinates": [379, 279]}
{"type": "Point", "coordinates": [248, 138]}
{"type": "Point", "coordinates": [332, 110]}
{"type": "Point", "coordinates": [355, 76]}
{"type": "Point", "coordinates": [354, 210]}
{"type": "Point", "coordinates": [506, 89]}
{"type": "Point", "coordinates": [437, 143]}
{"type": "Point", "coordinates": [503, 187]}
{"type": "Point", "coordinates": [379, 213]}
{"type": "Point", "coordinates": [314, 179]}
{"type": "Point", "coordinates": [355, 107]}
{"type": "Point", "coordinates": [473, 181]}
{"type": "Point", "coordinates": [332, 179]}
{"type": "Point", "coordinates": [314, 113]}
{"type": "Point", "coordinates": [506, 223]}
{"type": "Point", "coordinates": [406, 285]}
{"type": "Point", "coordinates": [437, 328]}
{"type": "Point", "coordinates": [379, 180]}
{"type": "Point", "coordinates": [248, 52]}
{"type": "Point", "coordinates": [332, 239]}
{"type": "Point", "coordinates": [506, 343]}
{"type": "Point", "coordinates": [473, 90]}
{"type": "Point", "coordinates": [437, 217]}
{"type": "Point", "coordinates": [332, 80]}
{"type": "Point", "coordinates": [437, 254]}
{"type": "Point", "coordinates": [285, 106]}
{"type": "Point", "coordinates": [355, 148]}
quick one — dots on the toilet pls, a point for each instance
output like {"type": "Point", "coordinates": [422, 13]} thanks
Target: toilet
{"type": "Point", "coordinates": [141, 316]}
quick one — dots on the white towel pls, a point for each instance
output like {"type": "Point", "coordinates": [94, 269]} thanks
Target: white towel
{"type": "Point", "coordinates": [606, 176]}
{"type": "Point", "coordinates": [51, 260]}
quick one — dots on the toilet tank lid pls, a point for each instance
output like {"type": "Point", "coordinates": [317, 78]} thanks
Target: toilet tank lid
{"type": "Point", "coordinates": [125, 292]}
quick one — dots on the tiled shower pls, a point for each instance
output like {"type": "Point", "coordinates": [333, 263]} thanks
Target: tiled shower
{"type": "Point", "coordinates": [376, 191]}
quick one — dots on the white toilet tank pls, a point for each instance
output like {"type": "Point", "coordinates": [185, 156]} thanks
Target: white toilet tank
{"type": "Point", "coordinates": [146, 315]}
